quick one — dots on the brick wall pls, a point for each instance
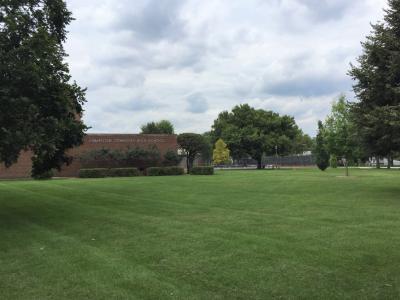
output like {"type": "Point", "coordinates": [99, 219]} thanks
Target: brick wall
{"type": "Point", "coordinates": [22, 169]}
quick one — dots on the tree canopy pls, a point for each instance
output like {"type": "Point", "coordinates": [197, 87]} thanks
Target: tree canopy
{"type": "Point", "coordinates": [255, 132]}
{"type": "Point", "coordinates": [162, 127]}
{"type": "Point", "coordinates": [221, 153]}
{"type": "Point", "coordinates": [377, 86]}
{"type": "Point", "coordinates": [40, 108]}
{"type": "Point", "coordinates": [191, 144]}
{"type": "Point", "coordinates": [340, 133]}
{"type": "Point", "coordinates": [207, 152]}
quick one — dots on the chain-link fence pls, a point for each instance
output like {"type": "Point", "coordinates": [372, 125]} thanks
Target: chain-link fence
{"type": "Point", "coordinates": [290, 161]}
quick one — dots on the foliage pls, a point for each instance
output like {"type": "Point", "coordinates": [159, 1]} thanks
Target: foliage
{"type": "Point", "coordinates": [40, 108]}
{"type": "Point", "coordinates": [251, 132]}
{"type": "Point", "coordinates": [93, 173]}
{"type": "Point", "coordinates": [44, 176]}
{"type": "Point", "coordinates": [320, 151]}
{"type": "Point", "coordinates": [340, 133]}
{"type": "Point", "coordinates": [377, 81]}
{"type": "Point", "coordinates": [132, 157]}
{"type": "Point", "coordinates": [191, 144]}
{"type": "Point", "coordinates": [101, 154]}
{"type": "Point", "coordinates": [123, 172]}
{"type": "Point", "coordinates": [166, 171]}
{"type": "Point", "coordinates": [333, 162]}
{"type": "Point", "coordinates": [162, 127]}
{"type": "Point", "coordinates": [206, 153]}
{"type": "Point", "coordinates": [302, 143]}
{"type": "Point", "coordinates": [221, 154]}
{"type": "Point", "coordinates": [105, 172]}
{"type": "Point", "coordinates": [143, 158]}
{"type": "Point", "coordinates": [171, 158]}
{"type": "Point", "coordinates": [208, 170]}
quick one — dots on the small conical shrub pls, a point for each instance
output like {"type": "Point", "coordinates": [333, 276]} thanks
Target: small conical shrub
{"type": "Point", "coordinates": [322, 155]}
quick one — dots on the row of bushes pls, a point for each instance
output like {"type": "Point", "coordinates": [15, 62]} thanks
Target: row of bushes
{"type": "Point", "coordinates": [133, 172]}
{"type": "Point", "coordinates": [168, 171]}
{"type": "Point", "coordinates": [137, 157]}
{"type": "Point", "coordinates": [202, 170]}
{"type": "Point", "coordinates": [103, 172]}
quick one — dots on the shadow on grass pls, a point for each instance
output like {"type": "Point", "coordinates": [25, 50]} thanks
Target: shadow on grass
{"type": "Point", "coordinates": [22, 215]}
{"type": "Point", "coordinates": [260, 170]}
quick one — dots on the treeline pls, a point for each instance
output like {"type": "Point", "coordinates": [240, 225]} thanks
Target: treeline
{"type": "Point", "coordinates": [369, 127]}
{"type": "Point", "coordinates": [245, 132]}
{"type": "Point", "coordinates": [254, 133]}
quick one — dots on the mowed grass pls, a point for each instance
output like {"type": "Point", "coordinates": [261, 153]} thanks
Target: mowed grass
{"type": "Point", "coordinates": [291, 234]}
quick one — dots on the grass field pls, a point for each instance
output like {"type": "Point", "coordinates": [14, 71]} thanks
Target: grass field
{"type": "Point", "coordinates": [236, 235]}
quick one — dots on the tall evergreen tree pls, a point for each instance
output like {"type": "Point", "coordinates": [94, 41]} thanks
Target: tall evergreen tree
{"type": "Point", "coordinates": [377, 87]}
{"type": "Point", "coordinates": [40, 108]}
{"type": "Point", "coordinates": [320, 151]}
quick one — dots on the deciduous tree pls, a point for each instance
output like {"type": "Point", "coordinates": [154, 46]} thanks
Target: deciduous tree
{"type": "Point", "coordinates": [40, 107]}
{"type": "Point", "coordinates": [340, 133]}
{"type": "Point", "coordinates": [221, 153]}
{"type": "Point", "coordinates": [191, 145]}
{"type": "Point", "coordinates": [255, 132]}
{"type": "Point", "coordinates": [162, 127]}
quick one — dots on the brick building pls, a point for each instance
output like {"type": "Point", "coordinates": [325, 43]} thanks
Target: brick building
{"type": "Point", "coordinates": [22, 169]}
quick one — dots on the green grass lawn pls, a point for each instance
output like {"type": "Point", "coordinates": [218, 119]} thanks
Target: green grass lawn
{"type": "Point", "coordinates": [236, 235]}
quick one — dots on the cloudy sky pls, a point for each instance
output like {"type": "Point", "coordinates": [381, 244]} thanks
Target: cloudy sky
{"type": "Point", "coordinates": [188, 60]}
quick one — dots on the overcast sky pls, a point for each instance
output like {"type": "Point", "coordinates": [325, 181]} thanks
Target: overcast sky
{"type": "Point", "coordinates": [188, 60]}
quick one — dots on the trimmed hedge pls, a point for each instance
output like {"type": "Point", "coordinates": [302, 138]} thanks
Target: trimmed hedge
{"type": "Point", "coordinates": [102, 172]}
{"type": "Point", "coordinates": [123, 172]}
{"type": "Point", "coordinates": [167, 171]}
{"type": "Point", "coordinates": [202, 170]}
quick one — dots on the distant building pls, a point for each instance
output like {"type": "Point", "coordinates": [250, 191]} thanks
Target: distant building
{"type": "Point", "coordinates": [22, 169]}
{"type": "Point", "coordinates": [383, 162]}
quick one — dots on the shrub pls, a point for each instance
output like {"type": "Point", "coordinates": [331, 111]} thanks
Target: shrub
{"type": "Point", "coordinates": [131, 157]}
{"type": "Point", "coordinates": [93, 173]}
{"type": "Point", "coordinates": [333, 161]}
{"type": "Point", "coordinates": [167, 171]}
{"type": "Point", "coordinates": [103, 172]}
{"type": "Point", "coordinates": [44, 176]}
{"type": "Point", "coordinates": [123, 172]}
{"type": "Point", "coordinates": [320, 151]}
{"type": "Point", "coordinates": [174, 171]}
{"type": "Point", "coordinates": [171, 158]}
{"type": "Point", "coordinates": [143, 158]}
{"type": "Point", "coordinates": [209, 170]}
{"type": "Point", "coordinates": [154, 171]}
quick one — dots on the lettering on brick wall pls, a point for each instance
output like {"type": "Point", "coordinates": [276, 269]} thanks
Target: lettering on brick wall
{"type": "Point", "coordinates": [126, 140]}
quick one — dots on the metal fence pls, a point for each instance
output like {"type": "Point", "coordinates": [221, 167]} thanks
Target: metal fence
{"type": "Point", "coordinates": [290, 161]}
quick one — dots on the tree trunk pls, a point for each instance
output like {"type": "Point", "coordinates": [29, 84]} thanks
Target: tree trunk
{"type": "Point", "coordinates": [188, 164]}
{"type": "Point", "coordinates": [389, 165]}
{"type": "Point", "coordinates": [346, 164]}
{"type": "Point", "coordinates": [378, 163]}
{"type": "Point", "coordinates": [259, 164]}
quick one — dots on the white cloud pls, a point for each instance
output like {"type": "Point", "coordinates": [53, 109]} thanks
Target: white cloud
{"type": "Point", "coordinates": [187, 60]}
